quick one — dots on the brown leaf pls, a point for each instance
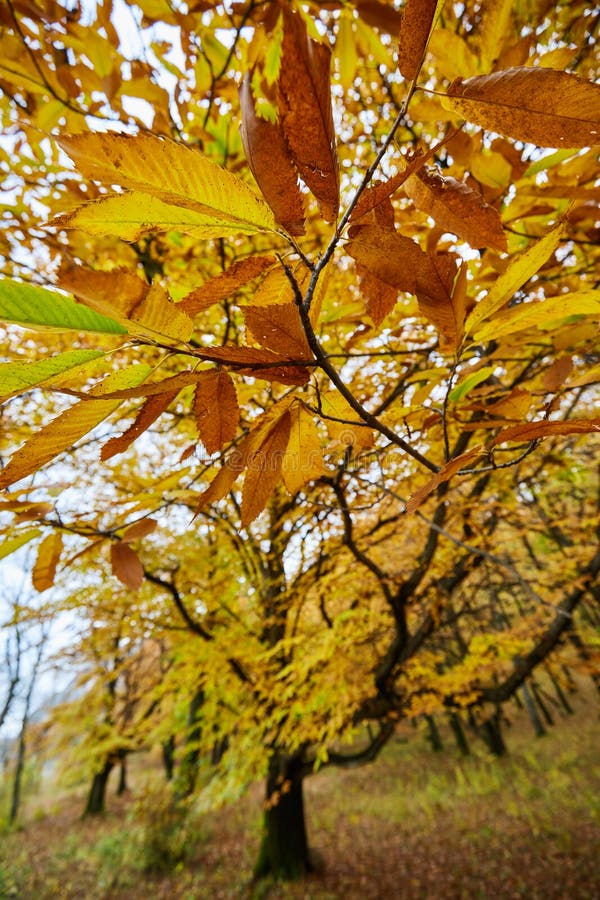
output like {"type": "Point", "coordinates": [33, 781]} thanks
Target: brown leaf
{"type": "Point", "coordinates": [379, 15]}
{"type": "Point", "coordinates": [380, 296]}
{"type": "Point", "coordinates": [379, 193]}
{"type": "Point", "coordinates": [216, 410]}
{"type": "Point", "coordinates": [533, 431]}
{"type": "Point", "coordinates": [457, 207]}
{"type": "Point", "coordinates": [445, 474]}
{"type": "Point", "coordinates": [542, 106]}
{"type": "Point", "coordinates": [264, 470]}
{"type": "Point", "coordinates": [148, 413]}
{"type": "Point", "coordinates": [417, 20]}
{"type": "Point", "coordinates": [139, 530]}
{"type": "Point", "coordinates": [48, 556]}
{"type": "Point", "coordinates": [273, 168]}
{"type": "Point", "coordinates": [438, 301]}
{"type": "Point", "coordinates": [556, 376]}
{"type": "Point", "coordinates": [278, 328]}
{"type": "Point", "coordinates": [257, 362]}
{"type": "Point", "coordinates": [225, 284]}
{"type": "Point", "coordinates": [304, 101]}
{"type": "Point", "coordinates": [126, 565]}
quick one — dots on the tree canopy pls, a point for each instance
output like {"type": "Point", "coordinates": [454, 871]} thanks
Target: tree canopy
{"type": "Point", "coordinates": [301, 307]}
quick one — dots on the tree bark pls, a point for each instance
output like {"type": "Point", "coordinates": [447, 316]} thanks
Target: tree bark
{"type": "Point", "coordinates": [96, 798]}
{"type": "Point", "coordinates": [492, 734]}
{"type": "Point", "coordinates": [122, 786]}
{"type": "Point", "coordinates": [459, 734]}
{"type": "Point", "coordinates": [538, 725]}
{"type": "Point", "coordinates": [168, 756]}
{"type": "Point", "coordinates": [284, 851]}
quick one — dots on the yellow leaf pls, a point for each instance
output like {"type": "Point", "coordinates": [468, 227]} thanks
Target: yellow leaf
{"type": "Point", "coordinates": [303, 460]}
{"type": "Point", "coordinates": [67, 428]}
{"type": "Point", "coordinates": [540, 314]}
{"type": "Point", "coordinates": [343, 424]}
{"type": "Point", "coordinates": [48, 555]}
{"type": "Point", "coordinates": [520, 269]}
{"type": "Point", "coordinates": [173, 173]}
{"type": "Point", "coordinates": [541, 106]}
{"type": "Point", "coordinates": [145, 310]}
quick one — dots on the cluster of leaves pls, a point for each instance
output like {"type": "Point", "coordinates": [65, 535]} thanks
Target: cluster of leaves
{"type": "Point", "coordinates": [376, 300]}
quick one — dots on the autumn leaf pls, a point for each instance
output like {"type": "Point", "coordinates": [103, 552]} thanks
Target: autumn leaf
{"type": "Point", "coordinates": [264, 470]}
{"type": "Point", "coordinates": [139, 530]}
{"type": "Point", "coordinates": [225, 284]}
{"type": "Point", "coordinates": [18, 377]}
{"type": "Point", "coordinates": [303, 460]}
{"type": "Point", "coordinates": [260, 363]}
{"type": "Point", "coordinates": [418, 18]}
{"type": "Point", "coordinates": [541, 106]}
{"type": "Point", "coordinates": [126, 565]}
{"type": "Point", "coordinates": [14, 543]}
{"type": "Point", "coordinates": [271, 163]}
{"type": "Point", "coordinates": [48, 556]}
{"type": "Point", "coordinates": [304, 102]}
{"type": "Point", "coordinates": [67, 428]}
{"type": "Point", "coordinates": [278, 328]}
{"type": "Point", "coordinates": [540, 314]}
{"type": "Point", "coordinates": [445, 474]}
{"type": "Point", "coordinates": [216, 409]}
{"type": "Point", "coordinates": [533, 431]}
{"type": "Point", "coordinates": [149, 413]}
{"type": "Point", "coordinates": [172, 173]}
{"type": "Point", "coordinates": [518, 272]}
{"type": "Point", "coordinates": [457, 207]}
{"type": "Point", "coordinates": [142, 308]}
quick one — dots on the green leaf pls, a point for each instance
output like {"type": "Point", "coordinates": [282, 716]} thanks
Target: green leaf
{"type": "Point", "coordinates": [467, 384]}
{"type": "Point", "coordinates": [18, 377]}
{"type": "Point", "coordinates": [39, 309]}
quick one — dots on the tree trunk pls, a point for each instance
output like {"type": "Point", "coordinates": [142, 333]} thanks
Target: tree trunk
{"type": "Point", "coordinates": [188, 767]}
{"type": "Point", "coordinates": [122, 786]}
{"type": "Point", "coordinates": [492, 734]}
{"type": "Point", "coordinates": [284, 848]}
{"type": "Point", "coordinates": [459, 734]}
{"type": "Point", "coordinates": [433, 734]}
{"type": "Point", "coordinates": [168, 755]}
{"type": "Point", "coordinates": [538, 725]}
{"type": "Point", "coordinates": [97, 794]}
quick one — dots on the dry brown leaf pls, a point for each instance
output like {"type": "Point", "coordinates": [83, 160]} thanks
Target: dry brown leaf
{"type": "Point", "coordinates": [304, 101]}
{"type": "Point", "coordinates": [458, 208]}
{"type": "Point", "coordinates": [257, 362]}
{"type": "Point", "coordinates": [445, 474]}
{"type": "Point", "coordinates": [216, 409]}
{"type": "Point", "coordinates": [380, 296]}
{"type": "Point", "coordinates": [139, 530]}
{"type": "Point", "coordinates": [417, 21]}
{"type": "Point", "coordinates": [542, 106]}
{"type": "Point", "coordinates": [271, 163]}
{"type": "Point", "coordinates": [149, 413]}
{"type": "Point", "coordinates": [126, 565]}
{"type": "Point", "coordinates": [379, 15]}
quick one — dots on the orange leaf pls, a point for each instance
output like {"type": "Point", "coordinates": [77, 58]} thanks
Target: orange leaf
{"type": "Point", "coordinates": [379, 15]}
{"type": "Point", "coordinates": [224, 285]}
{"type": "Point", "coordinates": [126, 565]}
{"type": "Point", "coordinates": [542, 106]}
{"type": "Point", "coordinates": [48, 555]}
{"type": "Point", "coordinates": [445, 474]}
{"type": "Point", "coordinates": [278, 328]}
{"type": "Point", "coordinates": [380, 296]}
{"type": "Point", "coordinates": [533, 431]}
{"type": "Point", "coordinates": [417, 20]}
{"type": "Point", "coordinates": [304, 101]}
{"type": "Point", "coordinates": [148, 413]}
{"type": "Point", "coordinates": [216, 410]}
{"type": "Point", "coordinates": [457, 207]}
{"type": "Point", "coordinates": [264, 469]}
{"type": "Point", "coordinates": [271, 163]}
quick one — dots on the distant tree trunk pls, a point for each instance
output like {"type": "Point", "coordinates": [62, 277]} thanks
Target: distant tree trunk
{"type": "Point", "coordinates": [168, 756]}
{"type": "Point", "coordinates": [188, 768]}
{"type": "Point", "coordinates": [22, 740]}
{"type": "Point", "coordinates": [433, 734]}
{"type": "Point", "coordinates": [459, 734]}
{"type": "Point", "coordinates": [284, 848]}
{"type": "Point", "coordinates": [542, 705]}
{"type": "Point", "coordinates": [97, 795]}
{"type": "Point", "coordinates": [561, 694]}
{"type": "Point", "coordinates": [492, 734]}
{"type": "Point", "coordinates": [122, 786]}
{"type": "Point", "coordinates": [537, 723]}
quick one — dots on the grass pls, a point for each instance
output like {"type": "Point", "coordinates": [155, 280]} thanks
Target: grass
{"type": "Point", "coordinates": [416, 824]}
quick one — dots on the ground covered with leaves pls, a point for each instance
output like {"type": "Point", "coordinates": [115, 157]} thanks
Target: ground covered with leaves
{"type": "Point", "coordinates": [416, 824]}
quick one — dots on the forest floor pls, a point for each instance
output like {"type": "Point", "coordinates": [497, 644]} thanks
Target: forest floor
{"type": "Point", "coordinates": [415, 824]}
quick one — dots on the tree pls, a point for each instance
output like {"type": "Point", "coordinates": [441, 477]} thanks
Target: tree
{"type": "Point", "coordinates": [390, 335]}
